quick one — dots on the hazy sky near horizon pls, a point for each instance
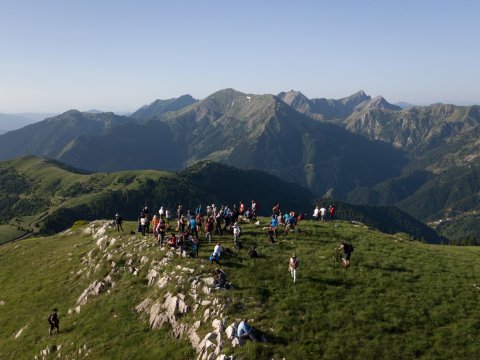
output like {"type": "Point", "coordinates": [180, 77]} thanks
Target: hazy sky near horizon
{"type": "Point", "coordinates": [120, 54]}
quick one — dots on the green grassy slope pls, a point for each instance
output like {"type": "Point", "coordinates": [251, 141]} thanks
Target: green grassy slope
{"type": "Point", "coordinates": [399, 300]}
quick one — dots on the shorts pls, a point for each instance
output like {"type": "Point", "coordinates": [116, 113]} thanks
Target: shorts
{"type": "Point", "coordinates": [346, 256]}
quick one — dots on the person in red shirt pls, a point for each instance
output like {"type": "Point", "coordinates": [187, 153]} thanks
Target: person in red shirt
{"type": "Point", "coordinates": [331, 211]}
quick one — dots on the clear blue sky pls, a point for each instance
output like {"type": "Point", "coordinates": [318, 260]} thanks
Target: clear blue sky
{"type": "Point", "coordinates": [118, 55]}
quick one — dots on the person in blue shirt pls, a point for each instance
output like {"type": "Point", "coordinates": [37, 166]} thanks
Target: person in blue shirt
{"type": "Point", "coordinates": [274, 226]}
{"type": "Point", "coordinates": [244, 330]}
{"type": "Point", "coordinates": [193, 226]}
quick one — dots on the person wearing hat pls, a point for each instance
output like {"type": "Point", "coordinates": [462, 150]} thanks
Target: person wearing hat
{"type": "Point", "coordinates": [293, 266]}
{"type": "Point", "coordinates": [53, 322]}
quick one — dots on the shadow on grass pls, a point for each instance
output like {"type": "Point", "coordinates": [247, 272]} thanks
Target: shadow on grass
{"type": "Point", "coordinates": [388, 268]}
{"type": "Point", "coordinates": [328, 281]}
{"type": "Point", "coordinates": [270, 338]}
{"type": "Point", "coordinates": [67, 329]}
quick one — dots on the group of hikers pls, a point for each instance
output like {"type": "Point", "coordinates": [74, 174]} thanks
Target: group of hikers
{"type": "Point", "coordinates": [216, 221]}
{"type": "Point", "coordinates": [190, 224]}
{"type": "Point", "coordinates": [320, 213]}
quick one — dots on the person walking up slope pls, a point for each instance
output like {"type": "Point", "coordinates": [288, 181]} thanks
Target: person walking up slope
{"type": "Point", "coordinates": [293, 266]}
{"type": "Point", "coordinates": [53, 322]}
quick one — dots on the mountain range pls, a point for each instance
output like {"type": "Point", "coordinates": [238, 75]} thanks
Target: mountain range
{"type": "Point", "coordinates": [357, 148]}
{"type": "Point", "coordinates": [44, 196]}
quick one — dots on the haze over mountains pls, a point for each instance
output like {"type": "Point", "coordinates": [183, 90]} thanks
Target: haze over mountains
{"type": "Point", "coordinates": [354, 148]}
{"type": "Point", "coordinates": [9, 122]}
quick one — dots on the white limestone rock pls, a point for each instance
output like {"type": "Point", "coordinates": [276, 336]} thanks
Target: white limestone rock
{"type": "Point", "coordinates": [143, 306]}
{"type": "Point", "coordinates": [93, 290]}
{"type": "Point", "coordinates": [218, 325]}
{"type": "Point", "coordinates": [231, 331]}
{"type": "Point", "coordinates": [152, 276]}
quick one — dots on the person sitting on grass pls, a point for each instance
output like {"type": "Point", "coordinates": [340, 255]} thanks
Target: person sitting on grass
{"type": "Point", "coordinates": [253, 252]}
{"type": "Point", "coordinates": [220, 278]}
{"type": "Point", "coordinates": [347, 252]}
{"type": "Point", "coordinates": [245, 331]}
{"type": "Point", "coordinates": [54, 322]}
{"type": "Point", "coordinates": [173, 241]}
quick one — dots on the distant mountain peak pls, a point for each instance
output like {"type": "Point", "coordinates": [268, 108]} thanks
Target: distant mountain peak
{"type": "Point", "coordinates": [295, 99]}
{"type": "Point", "coordinates": [228, 92]}
{"type": "Point", "coordinates": [160, 107]}
{"type": "Point", "coordinates": [379, 102]}
{"type": "Point", "coordinates": [359, 93]}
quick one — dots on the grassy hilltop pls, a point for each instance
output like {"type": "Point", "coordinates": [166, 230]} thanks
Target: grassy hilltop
{"type": "Point", "coordinates": [43, 197]}
{"type": "Point", "coordinates": [399, 300]}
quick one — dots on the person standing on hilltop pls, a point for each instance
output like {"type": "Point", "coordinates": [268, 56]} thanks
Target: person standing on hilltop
{"type": "Point", "coordinates": [155, 222]}
{"type": "Point", "coordinates": [54, 322]}
{"type": "Point", "coordinates": [276, 209]}
{"type": "Point", "coordinates": [218, 223]}
{"type": "Point", "coordinates": [254, 208]}
{"type": "Point", "coordinates": [323, 213]}
{"type": "Point", "coordinates": [209, 229]}
{"type": "Point", "coordinates": [161, 228]}
{"type": "Point", "coordinates": [192, 226]}
{"type": "Point", "coordinates": [118, 222]}
{"type": "Point", "coordinates": [316, 213]}
{"type": "Point", "coordinates": [142, 225]}
{"type": "Point", "coordinates": [293, 266]}
{"type": "Point", "coordinates": [274, 225]}
{"type": "Point", "coordinates": [331, 211]}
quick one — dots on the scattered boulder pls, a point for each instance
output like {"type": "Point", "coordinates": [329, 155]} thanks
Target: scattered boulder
{"type": "Point", "coordinates": [191, 271]}
{"type": "Point", "coordinates": [218, 325]}
{"type": "Point", "coordinates": [209, 281]}
{"type": "Point", "coordinates": [162, 282]}
{"type": "Point", "coordinates": [157, 317]}
{"type": "Point", "coordinates": [236, 342]}
{"type": "Point", "coordinates": [143, 306]}
{"type": "Point", "coordinates": [93, 290]}
{"type": "Point", "coordinates": [231, 331]}
{"type": "Point", "coordinates": [100, 241]}
{"type": "Point", "coordinates": [108, 280]}
{"type": "Point", "coordinates": [152, 276]}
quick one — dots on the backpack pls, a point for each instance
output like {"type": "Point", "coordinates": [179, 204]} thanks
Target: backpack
{"type": "Point", "coordinates": [348, 248]}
